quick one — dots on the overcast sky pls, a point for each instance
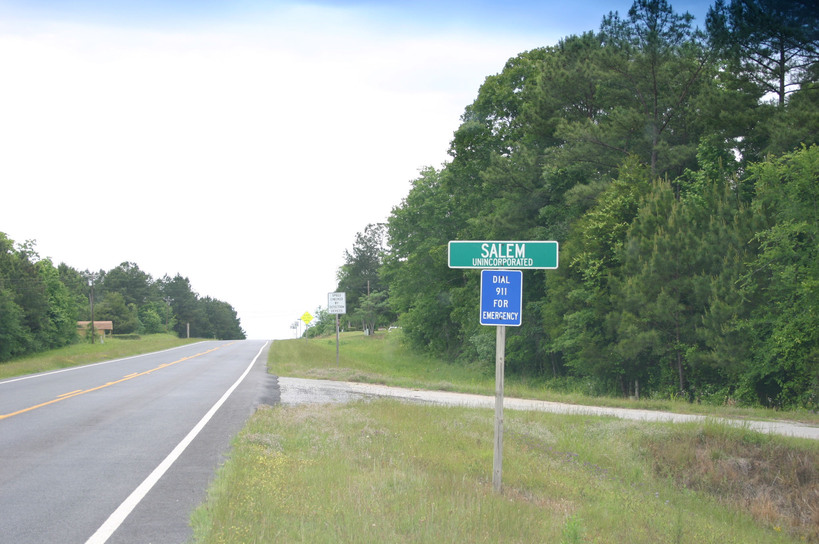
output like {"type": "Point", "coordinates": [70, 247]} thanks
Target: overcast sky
{"type": "Point", "coordinates": [242, 144]}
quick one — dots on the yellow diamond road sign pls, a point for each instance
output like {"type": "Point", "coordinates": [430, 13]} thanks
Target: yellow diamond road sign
{"type": "Point", "coordinates": [307, 318]}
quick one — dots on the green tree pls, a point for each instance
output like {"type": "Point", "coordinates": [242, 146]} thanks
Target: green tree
{"type": "Point", "coordinates": [658, 65]}
{"type": "Point", "coordinates": [38, 312]}
{"type": "Point", "coordinates": [62, 313]}
{"type": "Point", "coordinates": [416, 267]}
{"type": "Point", "coordinates": [786, 130]}
{"type": "Point", "coordinates": [156, 317]}
{"type": "Point", "coordinates": [125, 317]}
{"type": "Point", "coordinates": [656, 325]}
{"type": "Point", "coordinates": [571, 98]}
{"type": "Point", "coordinates": [323, 323]}
{"type": "Point", "coordinates": [373, 311]}
{"type": "Point", "coordinates": [580, 298]}
{"type": "Point", "coordinates": [150, 320]}
{"type": "Point", "coordinates": [128, 280]}
{"type": "Point", "coordinates": [783, 281]}
{"type": "Point", "coordinates": [78, 290]}
{"type": "Point", "coordinates": [772, 43]}
{"type": "Point", "coordinates": [680, 258]}
{"type": "Point", "coordinates": [207, 317]}
{"type": "Point", "coordinates": [726, 339]}
{"type": "Point", "coordinates": [13, 337]}
{"type": "Point", "coordinates": [30, 295]}
{"type": "Point", "coordinates": [631, 146]}
{"type": "Point", "coordinates": [494, 129]}
{"type": "Point", "coordinates": [182, 298]}
{"type": "Point", "coordinates": [359, 275]}
{"type": "Point", "coordinates": [222, 320]}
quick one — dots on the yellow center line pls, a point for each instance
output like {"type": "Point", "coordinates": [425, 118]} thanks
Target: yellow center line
{"type": "Point", "coordinates": [71, 393]}
{"type": "Point", "coordinates": [79, 392]}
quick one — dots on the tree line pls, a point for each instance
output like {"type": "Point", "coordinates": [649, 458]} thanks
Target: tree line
{"type": "Point", "coordinates": [677, 167]}
{"type": "Point", "coordinates": [40, 304]}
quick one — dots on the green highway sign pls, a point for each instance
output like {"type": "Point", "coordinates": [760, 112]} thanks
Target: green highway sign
{"type": "Point", "coordinates": [503, 254]}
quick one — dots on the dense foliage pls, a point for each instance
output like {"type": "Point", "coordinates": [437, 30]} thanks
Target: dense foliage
{"type": "Point", "coordinates": [40, 304]}
{"type": "Point", "coordinates": [679, 171]}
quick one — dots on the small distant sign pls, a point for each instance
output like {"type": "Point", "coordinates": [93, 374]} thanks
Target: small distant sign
{"type": "Point", "coordinates": [337, 303]}
{"type": "Point", "coordinates": [501, 297]}
{"type": "Point", "coordinates": [307, 318]}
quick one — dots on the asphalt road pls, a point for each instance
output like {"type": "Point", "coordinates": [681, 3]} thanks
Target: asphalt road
{"type": "Point", "coordinates": [123, 451]}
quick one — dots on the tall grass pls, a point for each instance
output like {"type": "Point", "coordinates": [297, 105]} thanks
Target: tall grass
{"type": "Point", "coordinates": [387, 471]}
{"type": "Point", "coordinates": [85, 353]}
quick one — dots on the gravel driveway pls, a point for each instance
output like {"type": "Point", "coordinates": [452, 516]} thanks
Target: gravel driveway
{"type": "Point", "coordinates": [300, 391]}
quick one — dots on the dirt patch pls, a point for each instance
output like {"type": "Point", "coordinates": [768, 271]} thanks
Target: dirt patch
{"type": "Point", "coordinates": [776, 483]}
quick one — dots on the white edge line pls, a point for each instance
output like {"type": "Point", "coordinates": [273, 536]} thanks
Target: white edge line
{"type": "Point", "coordinates": [80, 367]}
{"type": "Point", "coordinates": [124, 510]}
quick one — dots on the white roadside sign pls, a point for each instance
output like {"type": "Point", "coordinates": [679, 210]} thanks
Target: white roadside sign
{"type": "Point", "coordinates": [337, 303]}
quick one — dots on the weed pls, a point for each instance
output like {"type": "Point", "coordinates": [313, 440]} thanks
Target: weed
{"type": "Point", "coordinates": [572, 531]}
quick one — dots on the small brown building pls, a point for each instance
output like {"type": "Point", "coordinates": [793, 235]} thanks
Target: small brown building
{"type": "Point", "coordinates": [100, 327]}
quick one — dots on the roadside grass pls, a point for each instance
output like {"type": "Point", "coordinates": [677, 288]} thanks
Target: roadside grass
{"type": "Point", "coordinates": [379, 359]}
{"type": "Point", "coordinates": [382, 359]}
{"type": "Point", "coordinates": [84, 353]}
{"type": "Point", "coordinates": [387, 471]}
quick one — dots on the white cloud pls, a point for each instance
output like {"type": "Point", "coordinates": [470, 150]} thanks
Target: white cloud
{"type": "Point", "coordinates": [245, 156]}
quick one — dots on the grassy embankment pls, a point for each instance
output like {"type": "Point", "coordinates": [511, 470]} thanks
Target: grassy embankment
{"type": "Point", "coordinates": [381, 359]}
{"type": "Point", "coordinates": [386, 471]}
{"type": "Point", "coordinates": [84, 353]}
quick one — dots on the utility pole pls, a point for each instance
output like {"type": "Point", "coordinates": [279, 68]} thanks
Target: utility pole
{"type": "Point", "coordinates": [92, 277]}
{"type": "Point", "coordinates": [167, 311]}
{"type": "Point", "coordinates": [93, 330]}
